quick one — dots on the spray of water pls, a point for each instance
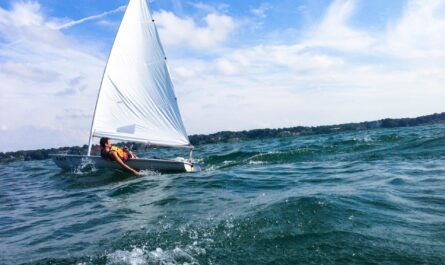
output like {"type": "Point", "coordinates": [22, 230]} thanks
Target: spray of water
{"type": "Point", "coordinates": [86, 166]}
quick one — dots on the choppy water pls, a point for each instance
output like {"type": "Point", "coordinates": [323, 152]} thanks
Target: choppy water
{"type": "Point", "coordinates": [362, 198]}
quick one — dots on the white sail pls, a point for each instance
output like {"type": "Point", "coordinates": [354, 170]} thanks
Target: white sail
{"type": "Point", "coordinates": [136, 100]}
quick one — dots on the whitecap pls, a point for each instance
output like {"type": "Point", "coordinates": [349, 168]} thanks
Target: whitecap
{"type": "Point", "coordinates": [137, 256]}
{"type": "Point", "coordinates": [142, 256]}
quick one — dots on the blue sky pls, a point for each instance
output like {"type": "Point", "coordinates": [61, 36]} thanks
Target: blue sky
{"type": "Point", "coordinates": [235, 64]}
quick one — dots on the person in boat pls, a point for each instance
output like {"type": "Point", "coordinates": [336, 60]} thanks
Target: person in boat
{"type": "Point", "coordinates": [114, 153]}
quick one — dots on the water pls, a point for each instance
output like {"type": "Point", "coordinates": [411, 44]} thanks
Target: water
{"type": "Point", "coordinates": [375, 197]}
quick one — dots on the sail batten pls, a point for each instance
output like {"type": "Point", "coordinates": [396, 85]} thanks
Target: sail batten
{"type": "Point", "coordinates": [136, 100]}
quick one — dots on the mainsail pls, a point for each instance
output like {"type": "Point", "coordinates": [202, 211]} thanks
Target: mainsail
{"type": "Point", "coordinates": [136, 100]}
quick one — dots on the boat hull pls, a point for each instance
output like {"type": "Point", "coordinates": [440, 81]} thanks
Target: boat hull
{"type": "Point", "coordinates": [73, 162]}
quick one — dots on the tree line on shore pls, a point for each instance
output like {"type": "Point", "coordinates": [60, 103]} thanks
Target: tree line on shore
{"type": "Point", "coordinates": [230, 136]}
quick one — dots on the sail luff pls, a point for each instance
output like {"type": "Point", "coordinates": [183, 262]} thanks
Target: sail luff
{"type": "Point", "coordinates": [90, 141]}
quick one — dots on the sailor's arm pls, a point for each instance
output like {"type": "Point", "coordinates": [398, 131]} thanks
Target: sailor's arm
{"type": "Point", "coordinates": [120, 162]}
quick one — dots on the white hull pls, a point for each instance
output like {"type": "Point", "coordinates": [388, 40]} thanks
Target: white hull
{"type": "Point", "coordinates": [73, 162]}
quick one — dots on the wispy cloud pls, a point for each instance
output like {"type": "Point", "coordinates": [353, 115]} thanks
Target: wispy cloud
{"type": "Point", "coordinates": [80, 21]}
{"type": "Point", "coordinates": [335, 32]}
{"type": "Point", "coordinates": [220, 8]}
{"type": "Point", "coordinates": [261, 10]}
{"type": "Point", "coordinates": [187, 33]}
{"type": "Point", "coordinates": [420, 32]}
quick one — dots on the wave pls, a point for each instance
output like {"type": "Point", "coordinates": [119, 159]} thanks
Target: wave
{"type": "Point", "coordinates": [296, 230]}
{"type": "Point", "coordinates": [347, 198]}
{"type": "Point", "coordinates": [378, 146]}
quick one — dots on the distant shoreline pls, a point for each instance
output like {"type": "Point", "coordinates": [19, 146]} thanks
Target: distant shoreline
{"type": "Point", "coordinates": [257, 134]}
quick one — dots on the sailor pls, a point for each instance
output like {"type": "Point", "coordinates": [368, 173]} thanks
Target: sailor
{"type": "Point", "coordinates": [114, 153]}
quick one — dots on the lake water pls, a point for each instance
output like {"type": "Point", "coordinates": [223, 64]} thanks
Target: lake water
{"type": "Point", "coordinates": [369, 197]}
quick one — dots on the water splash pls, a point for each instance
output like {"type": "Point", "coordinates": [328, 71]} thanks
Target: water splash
{"type": "Point", "coordinates": [86, 166]}
{"type": "Point", "coordinates": [147, 172]}
{"type": "Point", "coordinates": [142, 256]}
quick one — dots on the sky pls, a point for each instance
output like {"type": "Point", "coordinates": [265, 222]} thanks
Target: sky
{"type": "Point", "coordinates": [236, 65]}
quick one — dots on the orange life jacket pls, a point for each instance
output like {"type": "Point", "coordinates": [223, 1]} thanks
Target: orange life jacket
{"type": "Point", "coordinates": [119, 151]}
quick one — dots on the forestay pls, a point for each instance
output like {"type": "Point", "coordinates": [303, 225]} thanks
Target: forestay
{"type": "Point", "coordinates": [136, 100]}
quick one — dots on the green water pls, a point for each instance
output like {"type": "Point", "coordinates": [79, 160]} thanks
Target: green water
{"type": "Point", "coordinates": [375, 197]}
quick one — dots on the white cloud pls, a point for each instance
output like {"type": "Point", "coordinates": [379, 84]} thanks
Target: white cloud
{"type": "Point", "coordinates": [43, 72]}
{"type": "Point", "coordinates": [22, 14]}
{"type": "Point", "coordinates": [420, 32]}
{"type": "Point", "coordinates": [226, 67]}
{"type": "Point", "coordinates": [335, 32]}
{"type": "Point", "coordinates": [185, 32]}
{"type": "Point", "coordinates": [335, 73]}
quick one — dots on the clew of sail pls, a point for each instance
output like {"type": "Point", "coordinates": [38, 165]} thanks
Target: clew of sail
{"type": "Point", "coordinates": [136, 100]}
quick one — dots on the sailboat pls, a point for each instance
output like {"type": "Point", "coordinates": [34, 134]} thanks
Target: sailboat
{"type": "Point", "coordinates": [136, 100]}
